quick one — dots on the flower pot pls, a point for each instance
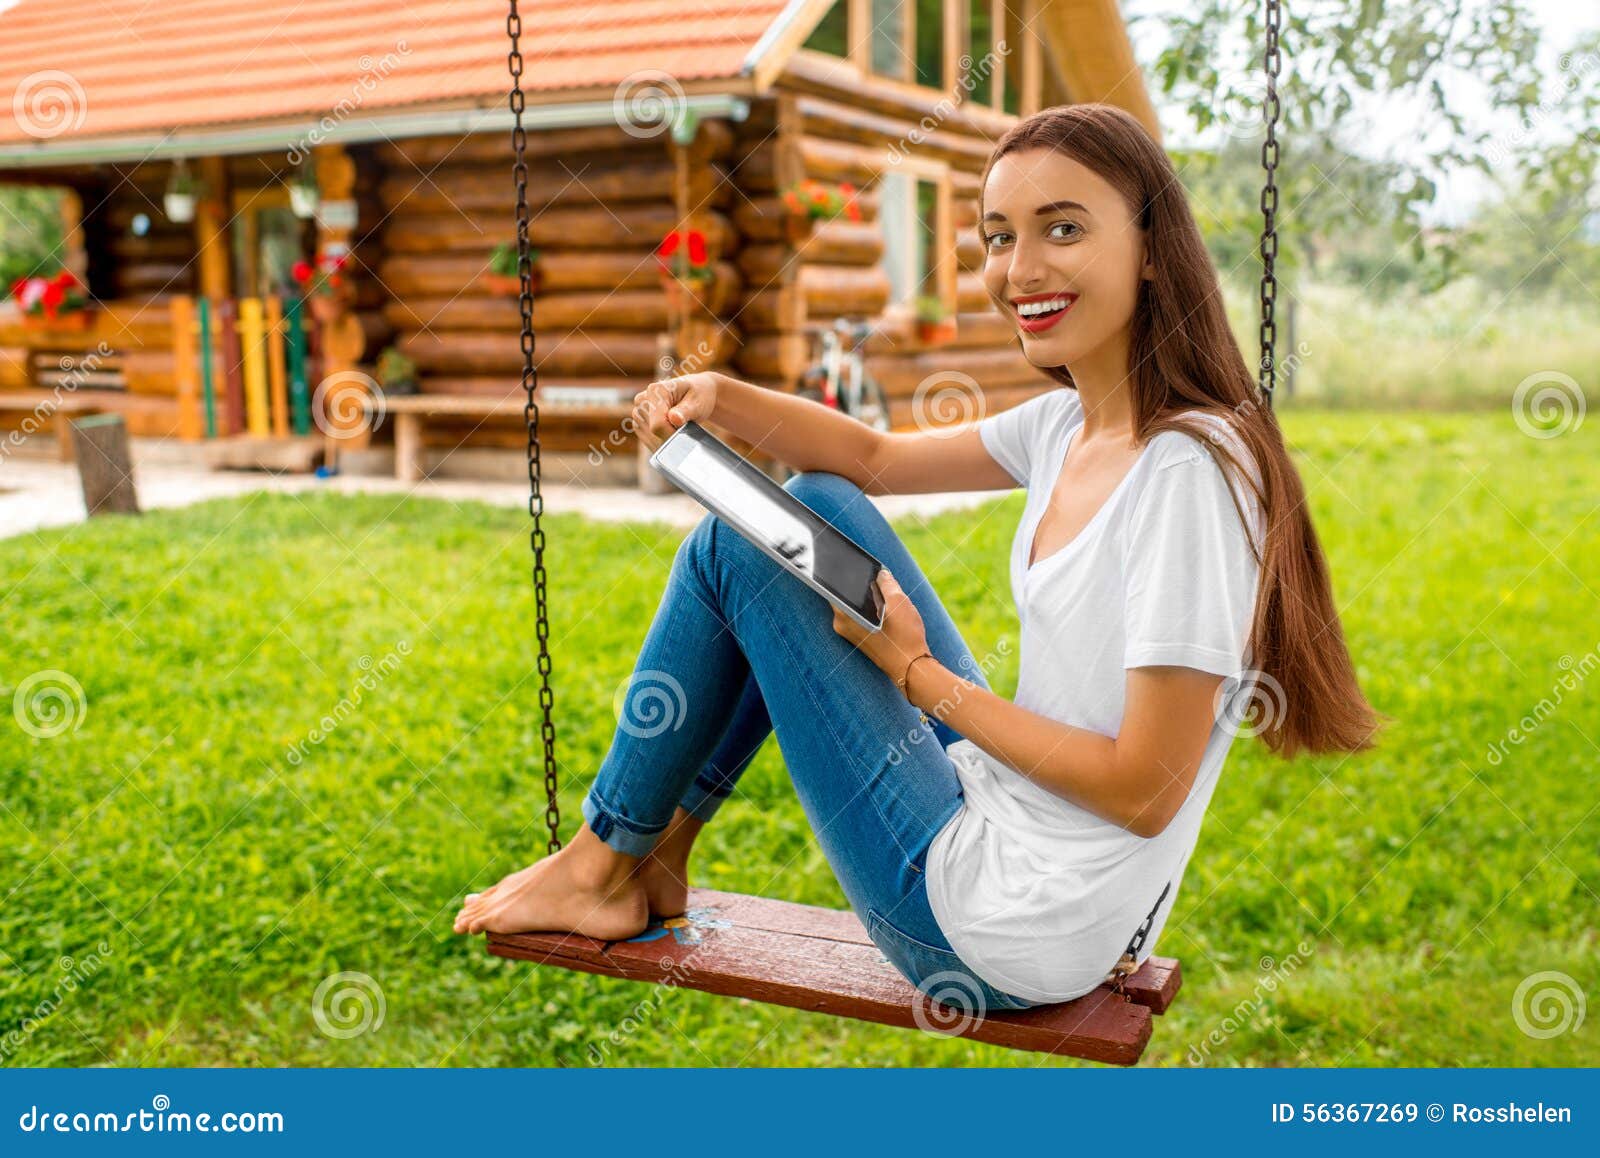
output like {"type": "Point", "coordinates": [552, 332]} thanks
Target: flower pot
{"type": "Point", "coordinates": [797, 228]}
{"type": "Point", "coordinates": [327, 308]}
{"type": "Point", "coordinates": [303, 200]}
{"type": "Point", "coordinates": [687, 293]}
{"type": "Point", "coordinates": [71, 321]}
{"type": "Point", "coordinates": [179, 207]}
{"type": "Point", "coordinates": [936, 333]}
{"type": "Point", "coordinates": [506, 285]}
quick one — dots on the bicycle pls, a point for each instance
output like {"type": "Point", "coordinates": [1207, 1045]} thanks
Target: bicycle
{"type": "Point", "coordinates": [839, 377]}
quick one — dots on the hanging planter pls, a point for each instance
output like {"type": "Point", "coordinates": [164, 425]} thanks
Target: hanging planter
{"type": "Point", "coordinates": [304, 193]}
{"type": "Point", "coordinates": [182, 194]}
{"type": "Point", "coordinates": [684, 264]}
{"type": "Point", "coordinates": [808, 201]}
{"type": "Point", "coordinates": [326, 287]}
{"type": "Point", "coordinates": [502, 278]}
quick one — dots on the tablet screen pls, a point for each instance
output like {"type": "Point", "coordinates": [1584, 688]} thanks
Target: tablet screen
{"type": "Point", "coordinates": [761, 509]}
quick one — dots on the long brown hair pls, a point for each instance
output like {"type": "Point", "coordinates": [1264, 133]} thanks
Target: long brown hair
{"type": "Point", "coordinates": [1187, 371]}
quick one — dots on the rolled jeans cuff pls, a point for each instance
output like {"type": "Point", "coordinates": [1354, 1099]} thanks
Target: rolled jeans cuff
{"type": "Point", "coordinates": [624, 836]}
{"type": "Point", "coordinates": [702, 801]}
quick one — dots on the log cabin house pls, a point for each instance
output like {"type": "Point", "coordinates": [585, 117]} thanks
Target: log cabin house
{"type": "Point", "coordinates": [643, 116]}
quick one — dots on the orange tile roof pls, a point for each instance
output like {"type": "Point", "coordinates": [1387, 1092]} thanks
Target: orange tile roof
{"type": "Point", "coordinates": [143, 66]}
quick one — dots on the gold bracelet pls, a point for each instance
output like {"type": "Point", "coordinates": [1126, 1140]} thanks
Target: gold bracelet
{"type": "Point", "coordinates": [906, 678]}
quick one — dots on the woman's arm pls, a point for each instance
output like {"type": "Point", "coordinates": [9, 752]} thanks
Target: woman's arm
{"type": "Point", "coordinates": [807, 435]}
{"type": "Point", "coordinates": [1138, 780]}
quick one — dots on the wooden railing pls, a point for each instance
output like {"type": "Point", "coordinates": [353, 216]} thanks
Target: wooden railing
{"type": "Point", "coordinates": [242, 366]}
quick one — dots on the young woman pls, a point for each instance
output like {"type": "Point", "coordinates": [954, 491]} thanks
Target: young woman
{"type": "Point", "coordinates": [1167, 578]}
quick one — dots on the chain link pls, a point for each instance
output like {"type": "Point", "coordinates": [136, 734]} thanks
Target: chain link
{"type": "Point", "coordinates": [530, 415]}
{"type": "Point", "coordinates": [1129, 961]}
{"type": "Point", "coordinates": [1269, 209]}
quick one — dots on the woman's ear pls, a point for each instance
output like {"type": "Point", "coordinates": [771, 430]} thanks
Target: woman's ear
{"type": "Point", "coordinates": [1148, 273]}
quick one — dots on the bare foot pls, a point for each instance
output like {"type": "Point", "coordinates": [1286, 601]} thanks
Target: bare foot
{"type": "Point", "coordinates": [666, 885]}
{"type": "Point", "coordinates": [665, 872]}
{"type": "Point", "coordinates": [564, 893]}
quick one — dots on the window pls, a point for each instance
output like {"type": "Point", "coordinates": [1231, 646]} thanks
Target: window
{"type": "Point", "coordinates": [918, 233]}
{"type": "Point", "coordinates": [985, 60]}
{"type": "Point", "coordinates": [890, 25]}
{"type": "Point", "coordinates": [930, 44]}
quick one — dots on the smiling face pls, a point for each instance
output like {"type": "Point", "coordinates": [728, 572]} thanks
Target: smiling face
{"type": "Point", "coordinates": [1054, 234]}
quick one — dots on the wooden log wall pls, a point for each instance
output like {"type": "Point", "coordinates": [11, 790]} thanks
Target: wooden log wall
{"type": "Point", "coordinates": [600, 201]}
{"type": "Point", "coordinates": [836, 131]}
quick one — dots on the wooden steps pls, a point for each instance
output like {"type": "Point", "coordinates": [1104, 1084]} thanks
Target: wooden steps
{"type": "Point", "coordinates": [822, 960]}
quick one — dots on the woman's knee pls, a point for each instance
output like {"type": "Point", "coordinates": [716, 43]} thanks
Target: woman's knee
{"type": "Point", "coordinates": [832, 496]}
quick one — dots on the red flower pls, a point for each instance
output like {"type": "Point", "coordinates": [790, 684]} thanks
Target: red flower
{"type": "Point", "coordinates": [301, 271]}
{"type": "Point", "coordinates": [65, 280]}
{"type": "Point", "coordinates": [669, 244]}
{"type": "Point", "coordinates": [697, 248]}
{"type": "Point", "coordinates": [54, 295]}
{"type": "Point", "coordinates": [847, 189]}
{"type": "Point", "coordinates": [853, 211]}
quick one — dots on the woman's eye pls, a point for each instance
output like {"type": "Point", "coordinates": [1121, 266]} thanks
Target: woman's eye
{"type": "Point", "coordinates": [1068, 225]}
{"type": "Point", "coordinates": [989, 240]}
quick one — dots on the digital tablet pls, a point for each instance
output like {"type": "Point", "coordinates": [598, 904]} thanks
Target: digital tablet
{"type": "Point", "coordinates": [791, 533]}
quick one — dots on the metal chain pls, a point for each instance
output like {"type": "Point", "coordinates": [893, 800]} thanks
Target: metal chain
{"type": "Point", "coordinates": [1269, 209]}
{"type": "Point", "coordinates": [530, 415]}
{"type": "Point", "coordinates": [1129, 962]}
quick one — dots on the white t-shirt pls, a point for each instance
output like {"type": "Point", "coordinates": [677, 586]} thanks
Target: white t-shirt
{"type": "Point", "coordinates": [1038, 895]}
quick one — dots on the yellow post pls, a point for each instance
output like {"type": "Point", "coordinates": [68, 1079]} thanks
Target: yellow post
{"type": "Point", "coordinates": [276, 367]}
{"type": "Point", "coordinates": [186, 369]}
{"type": "Point", "coordinates": [255, 367]}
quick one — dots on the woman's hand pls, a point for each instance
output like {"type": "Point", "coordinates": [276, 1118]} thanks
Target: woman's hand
{"type": "Point", "coordinates": [663, 406]}
{"type": "Point", "coordinates": [901, 638]}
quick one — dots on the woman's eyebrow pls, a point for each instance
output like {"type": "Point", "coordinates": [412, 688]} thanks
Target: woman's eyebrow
{"type": "Point", "coordinates": [1053, 207]}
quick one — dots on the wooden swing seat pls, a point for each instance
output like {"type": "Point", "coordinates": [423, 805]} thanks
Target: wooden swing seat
{"type": "Point", "coordinates": [822, 960]}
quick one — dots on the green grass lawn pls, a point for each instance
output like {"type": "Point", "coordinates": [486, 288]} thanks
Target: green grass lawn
{"type": "Point", "coordinates": [187, 864]}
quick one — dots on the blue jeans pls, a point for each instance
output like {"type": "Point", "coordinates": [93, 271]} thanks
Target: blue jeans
{"type": "Point", "coordinates": [740, 648]}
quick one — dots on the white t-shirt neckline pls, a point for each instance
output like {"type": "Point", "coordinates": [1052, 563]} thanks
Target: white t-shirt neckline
{"type": "Point", "coordinates": [1031, 530]}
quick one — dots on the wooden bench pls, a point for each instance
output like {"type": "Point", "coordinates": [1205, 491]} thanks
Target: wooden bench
{"type": "Point", "coordinates": [821, 960]}
{"type": "Point", "coordinates": [412, 412]}
{"type": "Point", "coordinates": [61, 406]}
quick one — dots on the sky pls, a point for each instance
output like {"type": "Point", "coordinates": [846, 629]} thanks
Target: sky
{"type": "Point", "coordinates": [1383, 129]}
